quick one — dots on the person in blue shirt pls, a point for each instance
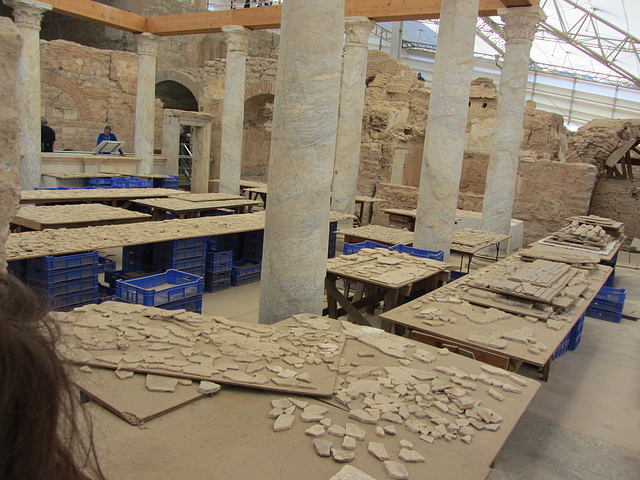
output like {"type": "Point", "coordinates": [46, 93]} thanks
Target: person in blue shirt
{"type": "Point", "coordinates": [107, 135]}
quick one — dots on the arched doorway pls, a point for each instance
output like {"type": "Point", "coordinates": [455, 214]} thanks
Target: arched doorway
{"type": "Point", "coordinates": [256, 140]}
{"type": "Point", "coordinates": [176, 96]}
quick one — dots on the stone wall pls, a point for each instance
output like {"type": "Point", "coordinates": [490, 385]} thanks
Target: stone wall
{"type": "Point", "coordinates": [9, 152]}
{"type": "Point", "coordinates": [619, 199]}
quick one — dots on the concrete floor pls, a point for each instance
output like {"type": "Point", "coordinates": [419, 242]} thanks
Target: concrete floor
{"type": "Point", "coordinates": [584, 422]}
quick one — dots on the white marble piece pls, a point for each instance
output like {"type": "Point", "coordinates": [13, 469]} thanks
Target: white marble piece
{"type": "Point", "coordinates": [159, 383]}
{"type": "Point", "coordinates": [208, 388]}
{"type": "Point", "coordinates": [283, 422]}
{"type": "Point", "coordinates": [351, 473]}
{"type": "Point", "coordinates": [315, 431]}
{"type": "Point", "coordinates": [410, 456]}
{"type": "Point", "coordinates": [322, 447]}
{"type": "Point", "coordinates": [378, 450]}
{"type": "Point", "coordinates": [342, 456]}
{"type": "Point", "coordinates": [396, 470]}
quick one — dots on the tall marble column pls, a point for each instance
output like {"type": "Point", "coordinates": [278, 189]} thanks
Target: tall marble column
{"type": "Point", "coordinates": [237, 39]}
{"type": "Point", "coordinates": [446, 126]}
{"type": "Point", "coordinates": [520, 26]}
{"type": "Point", "coordinates": [145, 101]}
{"type": "Point", "coordinates": [354, 71]}
{"type": "Point", "coordinates": [27, 15]}
{"type": "Point", "coordinates": [9, 139]}
{"type": "Point", "coordinates": [303, 142]}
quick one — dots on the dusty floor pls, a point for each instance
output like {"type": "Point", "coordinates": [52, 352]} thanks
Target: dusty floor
{"type": "Point", "coordinates": [584, 422]}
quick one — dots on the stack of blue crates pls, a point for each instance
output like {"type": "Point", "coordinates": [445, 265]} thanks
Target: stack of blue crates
{"type": "Point", "coordinates": [187, 255]}
{"type": "Point", "coordinates": [101, 182]}
{"type": "Point", "coordinates": [171, 290]}
{"type": "Point", "coordinates": [137, 255]}
{"type": "Point", "coordinates": [350, 248]}
{"type": "Point", "coordinates": [223, 243]}
{"type": "Point", "coordinates": [608, 304]}
{"type": "Point", "coordinates": [245, 271]}
{"type": "Point", "coordinates": [576, 334]}
{"type": "Point", "coordinates": [416, 252]}
{"type": "Point", "coordinates": [69, 280]}
{"type": "Point", "coordinates": [253, 243]}
{"type": "Point", "coordinates": [333, 239]}
{"type": "Point", "coordinates": [131, 182]}
{"type": "Point", "coordinates": [217, 274]}
{"type": "Point", "coordinates": [563, 347]}
{"type": "Point", "coordinates": [171, 182]}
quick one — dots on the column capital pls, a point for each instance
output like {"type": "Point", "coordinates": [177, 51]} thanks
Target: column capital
{"type": "Point", "coordinates": [147, 44]}
{"type": "Point", "coordinates": [236, 38]}
{"type": "Point", "coordinates": [358, 30]}
{"type": "Point", "coordinates": [27, 13]}
{"type": "Point", "coordinates": [521, 23]}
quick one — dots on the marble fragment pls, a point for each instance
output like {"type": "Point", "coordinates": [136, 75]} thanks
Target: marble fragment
{"type": "Point", "coordinates": [337, 431]}
{"type": "Point", "coordinates": [159, 383]}
{"type": "Point", "coordinates": [396, 470]}
{"type": "Point", "coordinates": [495, 394]}
{"type": "Point", "coordinates": [349, 443]}
{"type": "Point", "coordinates": [208, 388]}
{"type": "Point", "coordinates": [322, 447]}
{"type": "Point", "coordinates": [342, 456]}
{"type": "Point", "coordinates": [315, 431]}
{"type": "Point", "coordinates": [406, 444]}
{"type": "Point", "coordinates": [123, 374]}
{"type": "Point", "coordinates": [362, 416]}
{"type": "Point", "coordinates": [353, 430]}
{"type": "Point", "coordinates": [410, 456]}
{"type": "Point", "coordinates": [378, 450]}
{"type": "Point", "coordinates": [283, 422]}
{"type": "Point", "coordinates": [351, 473]}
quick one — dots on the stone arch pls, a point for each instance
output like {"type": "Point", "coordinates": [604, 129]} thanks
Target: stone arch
{"type": "Point", "coordinates": [182, 78]}
{"type": "Point", "coordinates": [260, 88]}
{"type": "Point", "coordinates": [68, 87]}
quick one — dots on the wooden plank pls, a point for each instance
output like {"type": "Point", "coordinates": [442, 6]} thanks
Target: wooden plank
{"type": "Point", "coordinates": [269, 17]}
{"type": "Point", "coordinates": [478, 354]}
{"type": "Point", "coordinates": [101, 14]}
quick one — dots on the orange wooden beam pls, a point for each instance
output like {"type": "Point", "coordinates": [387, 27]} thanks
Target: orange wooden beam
{"type": "Point", "coordinates": [269, 17]}
{"type": "Point", "coordinates": [258, 18]}
{"type": "Point", "coordinates": [101, 14]}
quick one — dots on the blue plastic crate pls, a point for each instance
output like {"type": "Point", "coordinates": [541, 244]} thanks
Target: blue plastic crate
{"type": "Point", "coordinates": [19, 269]}
{"type": "Point", "coordinates": [136, 255]}
{"type": "Point", "coordinates": [171, 182]}
{"type": "Point", "coordinates": [192, 304]}
{"type": "Point", "coordinates": [66, 288]}
{"type": "Point", "coordinates": [610, 281]}
{"type": "Point", "coordinates": [563, 347]}
{"type": "Point", "coordinates": [231, 241]}
{"type": "Point", "coordinates": [244, 267]}
{"type": "Point", "coordinates": [100, 181]}
{"type": "Point", "coordinates": [244, 280]}
{"type": "Point", "coordinates": [106, 265]}
{"type": "Point", "coordinates": [350, 248]}
{"type": "Point", "coordinates": [214, 282]}
{"type": "Point", "coordinates": [604, 315]}
{"type": "Point", "coordinates": [219, 261]}
{"type": "Point", "coordinates": [416, 252]}
{"type": "Point", "coordinates": [163, 252]}
{"type": "Point", "coordinates": [199, 271]}
{"type": "Point", "coordinates": [129, 273]}
{"type": "Point", "coordinates": [61, 262]}
{"type": "Point", "coordinates": [576, 334]}
{"type": "Point", "coordinates": [120, 182]}
{"type": "Point", "coordinates": [455, 275]}
{"type": "Point", "coordinates": [48, 277]}
{"type": "Point", "coordinates": [182, 265]}
{"type": "Point", "coordinates": [612, 295]}
{"type": "Point", "coordinates": [159, 289]}
{"type": "Point", "coordinates": [75, 299]}
{"type": "Point", "coordinates": [106, 291]}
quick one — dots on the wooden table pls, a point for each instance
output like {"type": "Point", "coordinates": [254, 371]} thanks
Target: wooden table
{"type": "Point", "coordinates": [457, 334]}
{"type": "Point", "coordinates": [360, 202]}
{"type": "Point", "coordinates": [607, 257]}
{"type": "Point", "coordinates": [98, 195]}
{"type": "Point", "coordinates": [244, 184]}
{"type": "Point", "coordinates": [207, 197]}
{"type": "Point", "coordinates": [470, 242]}
{"type": "Point", "coordinates": [25, 245]}
{"type": "Point", "coordinates": [376, 281]}
{"type": "Point", "coordinates": [257, 192]}
{"type": "Point", "coordinates": [73, 216]}
{"type": "Point", "coordinates": [187, 209]}
{"type": "Point", "coordinates": [399, 217]}
{"type": "Point", "coordinates": [233, 424]}
{"type": "Point", "coordinates": [379, 234]}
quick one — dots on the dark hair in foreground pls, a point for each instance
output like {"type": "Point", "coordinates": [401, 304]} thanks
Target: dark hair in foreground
{"type": "Point", "coordinates": [39, 433]}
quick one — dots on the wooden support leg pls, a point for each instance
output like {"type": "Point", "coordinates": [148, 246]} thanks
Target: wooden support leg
{"type": "Point", "coordinates": [546, 370]}
{"type": "Point", "coordinates": [333, 292]}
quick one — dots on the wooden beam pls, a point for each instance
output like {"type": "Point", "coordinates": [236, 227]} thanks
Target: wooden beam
{"type": "Point", "coordinates": [101, 14]}
{"type": "Point", "coordinates": [269, 17]}
{"type": "Point", "coordinates": [259, 18]}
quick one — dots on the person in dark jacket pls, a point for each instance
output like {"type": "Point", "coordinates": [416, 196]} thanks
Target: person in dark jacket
{"type": "Point", "coordinates": [108, 135]}
{"type": "Point", "coordinates": [47, 136]}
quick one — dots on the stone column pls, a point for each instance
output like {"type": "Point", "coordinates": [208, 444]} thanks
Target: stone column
{"type": "Point", "coordinates": [520, 26]}
{"type": "Point", "coordinates": [171, 142]}
{"type": "Point", "coordinates": [10, 55]}
{"type": "Point", "coordinates": [397, 167]}
{"type": "Point", "coordinates": [354, 71]}
{"type": "Point", "coordinates": [237, 39]}
{"type": "Point", "coordinates": [146, 101]}
{"type": "Point", "coordinates": [446, 126]}
{"type": "Point", "coordinates": [303, 142]}
{"type": "Point", "coordinates": [27, 15]}
{"type": "Point", "coordinates": [201, 158]}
